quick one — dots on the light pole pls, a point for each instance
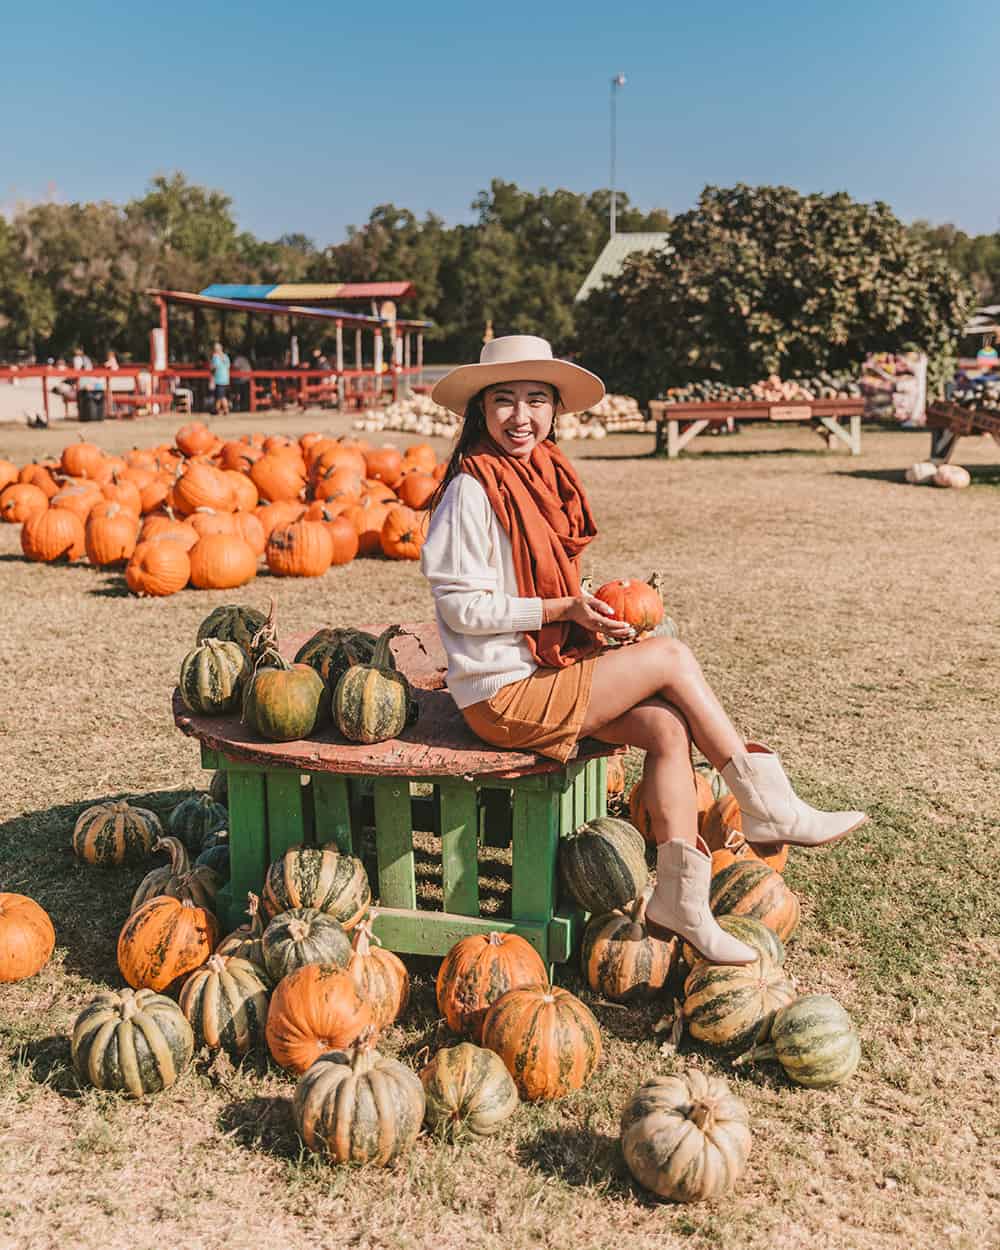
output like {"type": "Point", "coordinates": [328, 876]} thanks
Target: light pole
{"type": "Point", "coordinates": [616, 82]}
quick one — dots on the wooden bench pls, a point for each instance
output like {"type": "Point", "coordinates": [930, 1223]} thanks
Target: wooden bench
{"type": "Point", "coordinates": [326, 790]}
{"type": "Point", "coordinates": [824, 414]}
{"type": "Point", "coordinates": [948, 422]}
{"type": "Point", "coordinates": [137, 399]}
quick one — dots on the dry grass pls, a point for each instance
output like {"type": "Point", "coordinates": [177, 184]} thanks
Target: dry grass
{"type": "Point", "coordinates": [849, 620]}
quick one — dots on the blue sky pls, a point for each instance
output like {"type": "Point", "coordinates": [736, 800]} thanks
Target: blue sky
{"type": "Point", "coordinates": [310, 114]}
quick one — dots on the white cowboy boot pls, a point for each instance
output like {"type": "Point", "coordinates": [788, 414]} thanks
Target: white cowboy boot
{"type": "Point", "coordinates": [679, 904]}
{"type": "Point", "coordinates": [770, 810]}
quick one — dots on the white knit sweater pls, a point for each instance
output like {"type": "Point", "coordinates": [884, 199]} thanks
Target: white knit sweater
{"type": "Point", "coordinates": [468, 561]}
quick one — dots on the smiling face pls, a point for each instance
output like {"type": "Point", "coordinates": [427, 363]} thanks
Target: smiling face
{"type": "Point", "coordinates": [519, 415]}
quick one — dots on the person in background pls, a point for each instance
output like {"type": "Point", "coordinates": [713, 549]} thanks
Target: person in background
{"type": "Point", "coordinates": [110, 361]}
{"type": "Point", "coordinates": [241, 364]}
{"type": "Point", "coordinates": [320, 360]}
{"type": "Point", "coordinates": [81, 360]}
{"type": "Point", "coordinates": [219, 367]}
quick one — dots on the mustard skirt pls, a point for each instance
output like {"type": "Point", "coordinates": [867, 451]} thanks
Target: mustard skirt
{"type": "Point", "coordinates": [541, 713]}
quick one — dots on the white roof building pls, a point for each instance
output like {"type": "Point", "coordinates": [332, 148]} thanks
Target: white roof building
{"type": "Point", "coordinates": [612, 258]}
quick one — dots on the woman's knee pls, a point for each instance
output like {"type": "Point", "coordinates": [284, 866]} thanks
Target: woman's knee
{"type": "Point", "coordinates": [674, 658]}
{"type": "Point", "coordinates": [664, 731]}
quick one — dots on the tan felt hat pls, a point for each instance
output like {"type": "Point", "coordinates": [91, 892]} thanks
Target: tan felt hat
{"type": "Point", "coordinates": [519, 358]}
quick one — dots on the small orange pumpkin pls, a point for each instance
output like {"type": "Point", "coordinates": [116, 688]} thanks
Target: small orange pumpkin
{"type": "Point", "coordinates": [221, 562]}
{"type": "Point", "coordinates": [315, 1009]}
{"type": "Point", "coordinates": [164, 940]}
{"type": "Point", "coordinates": [27, 937]}
{"type": "Point", "coordinates": [633, 601]}
{"type": "Point", "coordinates": [416, 488]}
{"type": "Point", "coordinates": [159, 567]}
{"type": "Point", "coordinates": [21, 500]}
{"type": "Point", "coordinates": [195, 439]}
{"type": "Point", "coordinates": [302, 549]}
{"type": "Point", "coordinates": [55, 534]}
{"type": "Point", "coordinates": [403, 534]}
{"type": "Point", "coordinates": [111, 534]}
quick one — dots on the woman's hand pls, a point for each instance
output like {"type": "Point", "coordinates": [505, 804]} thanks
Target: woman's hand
{"type": "Point", "coordinates": [592, 613]}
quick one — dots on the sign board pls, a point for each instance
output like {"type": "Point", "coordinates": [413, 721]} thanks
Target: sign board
{"type": "Point", "coordinates": [790, 412]}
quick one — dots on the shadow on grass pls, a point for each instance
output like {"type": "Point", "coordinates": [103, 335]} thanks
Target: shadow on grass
{"type": "Point", "coordinates": [112, 587]}
{"type": "Point", "coordinates": [981, 475]}
{"type": "Point", "coordinates": [580, 1157]}
{"type": "Point", "coordinates": [262, 1123]}
{"type": "Point", "coordinates": [50, 1062]}
{"type": "Point", "coordinates": [88, 904]}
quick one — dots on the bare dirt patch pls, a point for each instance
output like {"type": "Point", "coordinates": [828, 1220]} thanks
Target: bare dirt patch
{"type": "Point", "coordinates": [847, 619]}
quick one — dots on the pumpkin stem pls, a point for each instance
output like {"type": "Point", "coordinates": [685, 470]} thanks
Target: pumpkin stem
{"type": "Point", "coordinates": [383, 652]}
{"type": "Point", "coordinates": [253, 907]}
{"type": "Point", "coordinates": [703, 1114]}
{"type": "Point", "coordinates": [180, 864]}
{"type": "Point", "coordinates": [495, 939]}
{"type": "Point", "coordinates": [757, 1054]}
{"type": "Point", "coordinates": [298, 930]}
{"type": "Point", "coordinates": [216, 964]}
{"type": "Point", "coordinates": [129, 1007]}
{"type": "Point", "coordinates": [364, 1053]}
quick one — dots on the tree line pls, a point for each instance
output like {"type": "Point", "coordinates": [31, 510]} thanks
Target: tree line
{"type": "Point", "coordinates": [756, 278]}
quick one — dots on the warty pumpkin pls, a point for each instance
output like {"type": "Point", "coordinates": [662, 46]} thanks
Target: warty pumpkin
{"type": "Point", "coordinates": [315, 1010]}
{"type": "Point", "coordinates": [302, 549]}
{"type": "Point", "coordinates": [159, 567]}
{"type": "Point", "coordinates": [621, 960]}
{"type": "Point", "coordinates": [111, 833]}
{"type": "Point", "coordinates": [110, 536]}
{"type": "Point", "coordinates": [359, 1108]}
{"type": "Point", "coordinates": [164, 940]}
{"type": "Point", "coordinates": [226, 1002]}
{"type": "Point", "coordinates": [21, 500]}
{"type": "Point", "coordinates": [331, 652]}
{"type": "Point", "coordinates": [749, 888]}
{"type": "Point", "coordinates": [178, 879]}
{"type": "Point", "coordinates": [194, 819]}
{"type": "Point", "coordinates": [373, 702]}
{"type": "Point", "coordinates": [135, 1043]}
{"type": "Point", "coordinates": [212, 677]}
{"type": "Point", "coordinates": [687, 1137]}
{"type": "Point", "coordinates": [732, 1006]}
{"type": "Point", "coordinates": [468, 1087]}
{"type": "Point", "coordinates": [233, 622]}
{"type": "Point", "coordinates": [303, 935]}
{"type": "Point", "coordinates": [602, 864]}
{"type": "Point", "coordinates": [317, 876]}
{"type": "Point", "coordinates": [27, 938]}
{"type": "Point", "coordinates": [221, 562]}
{"type": "Point", "coordinates": [55, 534]}
{"type": "Point", "coordinates": [284, 702]}
{"type": "Point", "coordinates": [379, 974]}
{"type": "Point", "coordinates": [477, 970]}
{"type": "Point", "coordinates": [548, 1039]}
{"type": "Point", "coordinates": [814, 1040]}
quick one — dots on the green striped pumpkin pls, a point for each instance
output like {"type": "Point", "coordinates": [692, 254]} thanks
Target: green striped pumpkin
{"type": "Point", "coordinates": [135, 1042]}
{"type": "Point", "coordinates": [331, 652]}
{"type": "Point", "coordinates": [316, 876]}
{"type": "Point", "coordinates": [749, 887]}
{"type": "Point", "coordinates": [362, 1108]}
{"type": "Point", "coordinates": [303, 936]}
{"type": "Point", "coordinates": [178, 878]}
{"type": "Point", "coordinates": [233, 623]}
{"type": "Point", "coordinates": [815, 1042]}
{"type": "Point", "coordinates": [194, 819]}
{"type": "Point", "coordinates": [225, 1001]}
{"type": "Point", "coordinates": [215, 854]}
{"type": "Point", "coordinates": [603, 864]}
{"type": "Point", "coordinates": [285, 702]}
{"type": "Point", "coordinates": [548, 1040]}
{"type": "Point", "coordinates": [111, 833]}
{"type": "Point", "coordinates": [686, 1137]}
{"type": "Point", "coordinates": [621, 960]}
{"type": "Point", "coordinates": [373, 702]}
{"type": "Point", "coordinates": [732, 1006]}
{"type": "Point", "coordinates": [745, 929]}
{"type": "Point", "coordinates": [245, 942]}
{"type": "Point", "coordinates": [467, 1086]}
{"type": "Point", "coordinates": [212, 677]}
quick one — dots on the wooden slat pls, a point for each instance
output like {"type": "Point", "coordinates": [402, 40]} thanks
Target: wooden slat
{"type": "Point", "coordinates": [248, 857]}
{"type": "Point", "coordinates": [413, 932]}
{"type": "Point", "coordinates": [590, 779]}
{"type": "Point", "coordinates": [602, 786]}
{"type": "Point", "coordinates": [579, 798]}
{"type": "Point", "coordinates": [285, 818]}
{"type": "Point", "coordinates": [460, 849]}
{"type": "Point", "coordinates": [332, 809]}
{"type": "Point", "coordinates": [210, 758]}
{"type": "Point", "coordinates": [397, 885]}
{"type": "Point", "coordinates": [533, 853]}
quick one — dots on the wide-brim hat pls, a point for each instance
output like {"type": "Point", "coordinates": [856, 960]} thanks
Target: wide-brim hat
{"type": "Point", "coordinates": [519, 358]}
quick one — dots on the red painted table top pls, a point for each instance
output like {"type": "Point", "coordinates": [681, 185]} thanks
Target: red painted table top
{"type": "Point", "coordinates": [440, 744]}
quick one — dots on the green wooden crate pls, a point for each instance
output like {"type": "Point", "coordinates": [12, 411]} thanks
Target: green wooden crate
{"type": "Point", "coordinates": [271, 810]}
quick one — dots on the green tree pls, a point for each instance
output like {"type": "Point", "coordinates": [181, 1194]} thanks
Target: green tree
{"type": "Point", "coordinates": [762, 279]}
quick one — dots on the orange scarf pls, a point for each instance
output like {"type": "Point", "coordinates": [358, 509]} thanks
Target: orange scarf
{"type": "Point", "coordinates": [541, 504]}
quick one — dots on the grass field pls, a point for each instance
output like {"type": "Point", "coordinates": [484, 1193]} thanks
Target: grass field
{"type": "Point", "coordinates": [845, 618]}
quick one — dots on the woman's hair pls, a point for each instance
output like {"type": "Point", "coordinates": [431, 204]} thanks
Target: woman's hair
{"type": "Point", "coordinates": [472, 432]}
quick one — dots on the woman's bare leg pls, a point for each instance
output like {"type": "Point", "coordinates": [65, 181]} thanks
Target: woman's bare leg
{"type": "Point", "coordinates": [667, 788]}
{"type": "Point", "coordinates": [664, 667]}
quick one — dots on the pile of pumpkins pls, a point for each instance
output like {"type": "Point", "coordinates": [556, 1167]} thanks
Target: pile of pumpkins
{"type": "Point", "coordinates": [204, 512]}
{"type": "Point", "coordinates": [346, 676]}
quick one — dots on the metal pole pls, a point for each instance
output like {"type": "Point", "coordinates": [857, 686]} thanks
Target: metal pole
{"type": "Point", "coordinates": [616, 82]}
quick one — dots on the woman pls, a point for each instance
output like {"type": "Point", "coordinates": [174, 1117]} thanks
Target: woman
{"type": "Point", "coordinates": [526, 662]}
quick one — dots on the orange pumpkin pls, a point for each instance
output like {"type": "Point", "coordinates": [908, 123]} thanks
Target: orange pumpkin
{"type": "Point", "coordinates": [82, 460]}
{"type": "Point", "coordinates": [279, 476]}
{"type": "Point", "coordinates": [328, 509]}
{"type": "Point", "coordinates": [284, 512]}
{"type": "Point", "coordinates": [722, 831]}
{"type": "Point", "coordinates": [345, 540]}
{"type": "Point", "coordinates": [111, 534]}
{"type": "Point", "coordinates": [154, 494]}
{"type": "Point", "coordinates": [403, 534]}
{"type": "Point", "coordinates": [27, 937]}
{"type": "Point", "coordinates": [315, 1009]}
{"type": "Point", "coordinates": [200, 485]}
{"type": "Point", "coordinates": [207, 521]}
{"type": "Point", "coordinates": [163, 940]}
{"type": "Point", "coordinates": [244, 491]}
{"type": "Point", "coordinates": [160, 567]}
{"type": "Point", "coordinates": [249, 528]}
{"type": "Point", "coordinates": [121, 490]}
{"type": "Point", "coordinates": [302, 549]}
{"type": "Point", "coordinates": [239, 454]}
{"type": "Point", "coordinates": [639, 816]}
{"type": "Point", "coordinates": [39, 475]}
{"type": "Point", "coordinates": [616, 775]}
{"type": "Point", "coordinates": [221, 562]}
{"type": "Point", "coordinates": [163, 526]}
{"type": "Point", "coordinates": [8, 473]}
{"type": "Point", "coordinates": [337, 482]}
{"type": "Point", "coordinates": [416, 488]}
{"type": "Point", "coordinates": [138, 475]}
{"type": "Point", "coordinates": [633, 601]}
{"type": "Point", "coordinates": [477, 970]}
{"type": "Point", "coordinates": [548, 1040]}
{"type": "Point", "coordinates": [380, 975]}
{"type": "Point", "coordinates": [78, 498]}
{"type": "Point", "coordinates": [55, 534]}
{"type": "Point", "coordinates": [333, 453]}
{"type": "Point", "coordinates": [195, 439]}
{"type": "Point", "coordinates": [384, 464]}
{"type": "Point", "coordinates": [21, 500]}
{"type": "Point", "coordinates": [367, 517]}
{"type": "Point", "coordinates": [422, 455]}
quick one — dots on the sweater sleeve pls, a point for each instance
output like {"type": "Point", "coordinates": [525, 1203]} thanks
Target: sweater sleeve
{"type": "Point", "coordinates": [464, 571]}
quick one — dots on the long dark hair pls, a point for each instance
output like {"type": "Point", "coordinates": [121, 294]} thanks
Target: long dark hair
{"type": "Point", "coordinates": [472, 433]}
